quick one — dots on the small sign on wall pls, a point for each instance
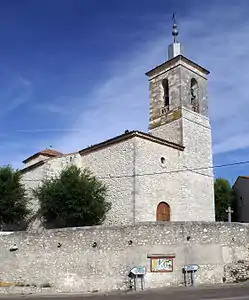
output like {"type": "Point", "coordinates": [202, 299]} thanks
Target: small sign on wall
{"type": "Point", "coordinates": [161, 263]}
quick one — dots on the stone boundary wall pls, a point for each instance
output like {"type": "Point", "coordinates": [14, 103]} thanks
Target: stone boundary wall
{"type": "Point", "coordinates": [100, 258]}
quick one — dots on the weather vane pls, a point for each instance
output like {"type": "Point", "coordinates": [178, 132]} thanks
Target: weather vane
{"type": "Point", "coordinates": [174, 17]}
{"type": "Point", "coordinates": [174, 27]}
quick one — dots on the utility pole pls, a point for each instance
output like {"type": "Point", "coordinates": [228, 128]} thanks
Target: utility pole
{"type": "Point", "coordinates": [229, 211]}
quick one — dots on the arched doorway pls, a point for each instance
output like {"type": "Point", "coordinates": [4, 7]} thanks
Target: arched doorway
{"type": "Point", "coordinates": [163, 212]}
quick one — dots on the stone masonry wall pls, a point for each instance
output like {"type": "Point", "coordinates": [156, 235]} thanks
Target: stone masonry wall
{"type": "Point", "coordinates": [198, 159]}
{"type": "Point", "coordinates": [31, 180]}
{"type": "Point", "coordinates": [189, 194]}
{"type": "Point", "coordinates": [158, 182]}
{"type": "Point", "coordinates": [35, 160]}
{"type": "Point", "coordinates": [237, 271]}
{"type": "Point", "coordinates": [113, 165]}
{"type": "Point", "coordinates": [138, 181]}
{"type": "Point", "coordinates": [157, 117]}
{"type": "Point", "coordinates": [187, 73]}
{"type": "Point", "coordinates": [171, 131]}
{"type": "Point", "coordinates": [67, 260]}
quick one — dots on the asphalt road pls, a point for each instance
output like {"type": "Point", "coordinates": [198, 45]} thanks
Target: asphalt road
{"type": "Point", "coordinates": [237, 292]}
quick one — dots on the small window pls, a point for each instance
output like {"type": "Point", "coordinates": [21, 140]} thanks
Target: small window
{"type": "Point", "coordinates": [162, 160]}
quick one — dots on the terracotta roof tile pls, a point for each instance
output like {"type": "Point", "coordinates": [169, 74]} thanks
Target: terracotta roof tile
{"type": "Point", "coordinates": [127, 135]}
{"type": "Point", "coordinates": [50, 152]}
{"type": "Point", "coordinates": [45, 152]}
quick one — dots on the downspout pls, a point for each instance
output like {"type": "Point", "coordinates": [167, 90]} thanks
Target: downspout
{"type": "Point", "coordinates": [134, 180]}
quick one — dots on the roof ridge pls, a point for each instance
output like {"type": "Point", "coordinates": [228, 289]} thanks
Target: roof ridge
{"type": "Point", "coordinates": [46, 152]}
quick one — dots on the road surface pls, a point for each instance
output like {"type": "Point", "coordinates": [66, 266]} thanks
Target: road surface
{"type": "Point", "coordinates": [236, 292]}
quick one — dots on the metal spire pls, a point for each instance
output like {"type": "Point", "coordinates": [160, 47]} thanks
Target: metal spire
{"type": "Point", "coordinates": [175, 48]}
{"type": "Point", "coordinates": [174, 27]}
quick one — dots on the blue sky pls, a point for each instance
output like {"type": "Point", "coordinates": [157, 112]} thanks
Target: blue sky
{"type": "Point", "coordinates": [72, 71]}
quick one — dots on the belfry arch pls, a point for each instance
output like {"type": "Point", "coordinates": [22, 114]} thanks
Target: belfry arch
{"type": "Point", "coordinates": [194, 91]}
{"type": "Point", "coordinates": [165, 84]}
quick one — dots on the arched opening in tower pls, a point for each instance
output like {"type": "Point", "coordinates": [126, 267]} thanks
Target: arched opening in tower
{"type": "Point", "coordinates": [165, 84]}
{"type": "Point", "coordinates": [194, 95]}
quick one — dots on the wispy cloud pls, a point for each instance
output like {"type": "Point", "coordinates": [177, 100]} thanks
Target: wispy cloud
{"type": "Point", "coordinates": [41, 130]}
{"type": "Point", "coordinates": [121, 101]}
{"type": "Point", "coordinates": [15, 94]}
{"type": "Point", "coordinates": [53, 108]}
{"type": "Point", "coordinates": [13, 104]}
{"type": "Point", "coordinates": [25, 81]}
{"type": "Point", "coordinates": [219, 42]}
{"type": "Point", "coordinates": [232, 143]}
{"type": "Point", "coordinates": [63, 105]}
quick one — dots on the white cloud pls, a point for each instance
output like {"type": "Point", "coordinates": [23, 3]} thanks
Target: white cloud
{"type": "Point", "coordinates": [122, 101]}
{"type": "Point", "coordinates": [233, 143]}
{"type": "Point", "coordinates": [60, 106]}
{"type": "Point", "coordinates": [219, 42]}
{"type": "Point", "coordinates": [14, 104]}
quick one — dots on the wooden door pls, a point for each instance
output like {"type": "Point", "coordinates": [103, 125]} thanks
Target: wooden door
{"type": "Point", "coordinates": [163, 212]}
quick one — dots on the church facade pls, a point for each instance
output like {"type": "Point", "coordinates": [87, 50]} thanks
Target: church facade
{"type": "Point", "coordinates": [163, 175]}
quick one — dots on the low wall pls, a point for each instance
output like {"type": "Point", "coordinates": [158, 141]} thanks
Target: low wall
{"type": "Point", "coordinates": [237, 272]}
{"type": "Point", "coordinates": [100, 258]}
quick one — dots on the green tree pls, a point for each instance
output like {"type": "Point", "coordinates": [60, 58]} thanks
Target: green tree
{"type": "Point", "coordinates": [13, 203]}
{"type": "Point", "coordinates": [74, 198]}
{"type": "Point", "coordinates": [224, 197]}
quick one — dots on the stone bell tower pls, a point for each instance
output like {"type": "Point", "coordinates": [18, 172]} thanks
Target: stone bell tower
{"type": "Point", "coordinates": [179, 113]}
{"type": "Point", "coordinates": [176, 84]}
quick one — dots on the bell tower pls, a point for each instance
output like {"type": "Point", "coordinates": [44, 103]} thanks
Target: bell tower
{"type": "Point", "coordinates": [175, 85]}
{"type": "Point", "coordinates": [179, 113]}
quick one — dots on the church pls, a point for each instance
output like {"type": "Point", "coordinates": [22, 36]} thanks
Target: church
{"type": "Point", "coordinates": [165, 174]}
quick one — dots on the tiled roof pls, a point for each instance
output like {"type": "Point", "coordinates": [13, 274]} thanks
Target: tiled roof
{"type": "Point", "coordinates": [127, 135]}
{"type": "Point", "coordinates": [50, 152]}
{"type": "Point", "coordinates": [45, 152]}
